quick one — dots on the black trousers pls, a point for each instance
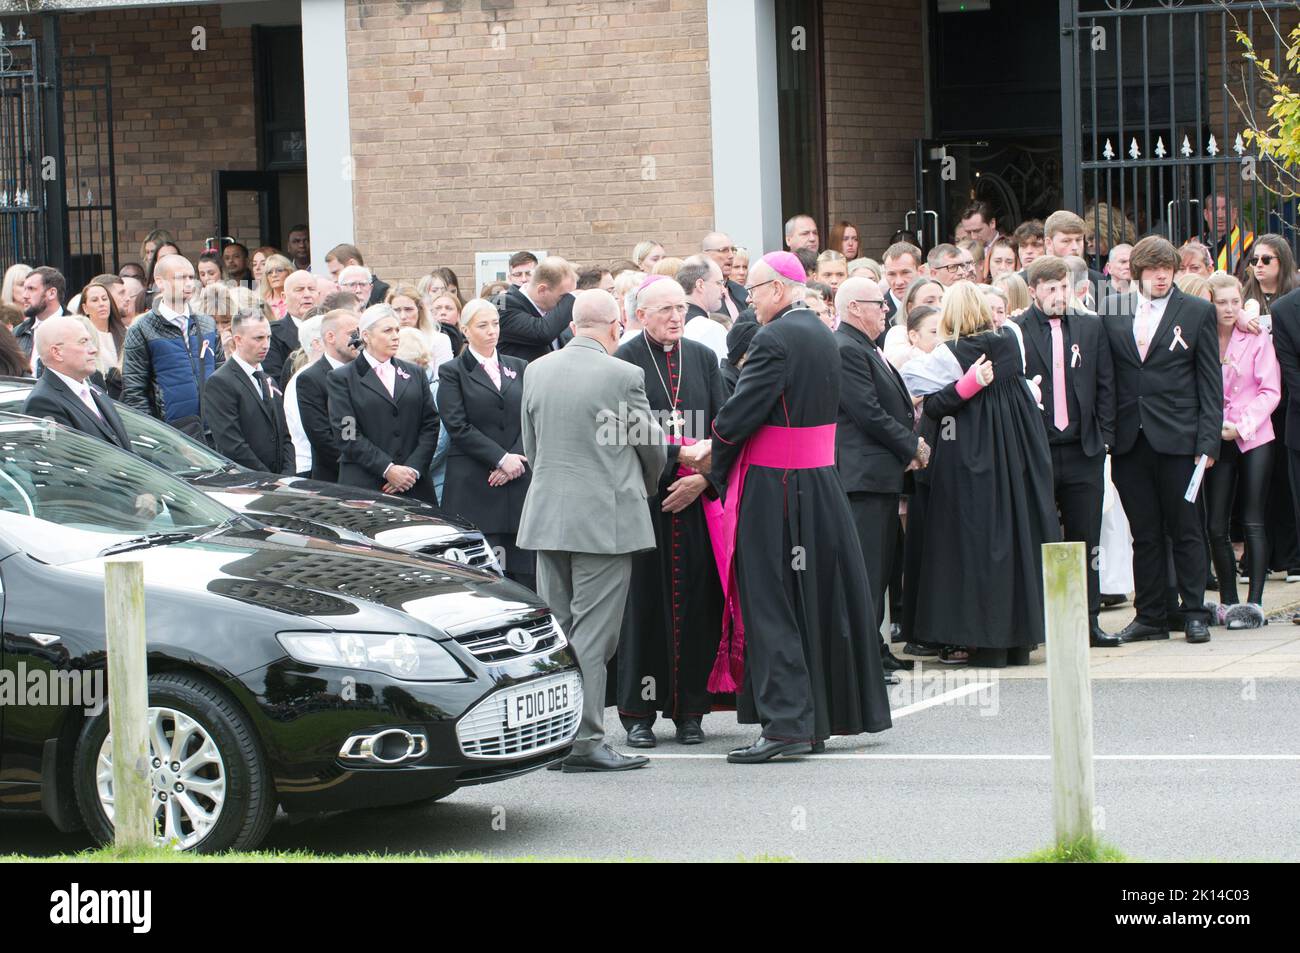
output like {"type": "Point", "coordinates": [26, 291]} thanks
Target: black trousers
{"type": "Point", "coordinates": [1151, 487]}
{"type": "Point", "coordinates": [1245, 476]}
{"type": "Point", "coordinates": [1078, 483]}
{"type": "Point", "coordinates": [875, 517]}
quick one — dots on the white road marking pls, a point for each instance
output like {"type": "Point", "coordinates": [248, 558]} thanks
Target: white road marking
{"type": "Point", "coordinates": [964, 690]}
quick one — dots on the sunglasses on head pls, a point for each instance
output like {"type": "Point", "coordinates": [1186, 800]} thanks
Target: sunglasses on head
{"type": "Point", "coordinates": [1263, 260]}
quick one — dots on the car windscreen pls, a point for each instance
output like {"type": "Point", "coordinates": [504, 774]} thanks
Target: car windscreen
{"type": "Point", "coordinates": [156, 442]}
{"type": "Point", "coordinates": [65, 497]}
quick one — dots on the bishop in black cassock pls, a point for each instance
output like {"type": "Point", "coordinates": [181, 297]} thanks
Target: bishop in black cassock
{"type": "Point", "coordinates": [811, 662]}
{"type": "Point", "coordinates": [674, 605]}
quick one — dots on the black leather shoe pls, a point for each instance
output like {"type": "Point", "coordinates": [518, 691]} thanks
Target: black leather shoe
{"type": "Point", "coordinates": [921, 650]}
{"type": "Point", "coordinates": [640, 735]}
{"type": "Point", "coordinates": [892, 663]}
{"type": "Point", "coordinates": [603, 758]}
{"type": "Point", "coordinates": [765, 749]}
{"type": "Point", "coordinates": [1197, 631]}
{"type": "Point", "coordinates": [891, 678]}
{"type": "Point", "coordinates": [1113, 598]}
{"type": "Point", "coordinates": [818, 747]}
{"type": "Point", "coordinates": [1137, 631]}
{"type": "Point", "coordinates": [1099, 638]}
{"type": "Point", "coordinates": [896, 632]}
{"type": "Point", "coordinates": [690, 732]}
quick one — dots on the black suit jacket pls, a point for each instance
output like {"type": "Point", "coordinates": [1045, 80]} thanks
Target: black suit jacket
{"type": "Point", "coordinates": [284, 341]}
{"type": "Point", "coordinates": [374, 430]}
{"type": "Point", "coordinates": [51, 399]}
{"type": "Point", "coordinates": [245, 427]}
{"type": "Point", "coordinates": [314, 411]}
{"type": "Point", "coordinates": [1285, 312]}
{"type": "Point", "coordinates": [739, 296]}
{"type": "Point", "coordinates": [1175, 396]}
{"type": "Point", "coordinates": [524, 333]}
{"type": "Point", "coordinates": [874, 439]}
{"type": "Point", "coordinates": [1092, 376]}
{"type": "Point", "coordinates": [484, 424]}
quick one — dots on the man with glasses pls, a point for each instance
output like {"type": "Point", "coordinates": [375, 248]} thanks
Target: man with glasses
{"type": "Point", "coordinates": [800, 647]}
{"type": "Point", "coordinates": [705, 289]}
{"type": "Point", "coordinates": [950, 264]}
{"type": "Point", "coordinates": [520, 268]}
{"type": "Point", "coordinates": [874, 440]}
{"type": "Point", "coordinates": [341, 257]}
{"type": "Point", "coordinates": [719, 247]}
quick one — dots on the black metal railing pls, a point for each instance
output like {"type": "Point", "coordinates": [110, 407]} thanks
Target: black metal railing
{"type": "Point", "coordinates": [22, 196]}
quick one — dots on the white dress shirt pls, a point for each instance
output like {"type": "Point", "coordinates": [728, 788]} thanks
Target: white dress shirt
{"type": "Point", "coordinates": [179, 318]}
{"type": "Point", "coordinates": [80, 388]}
{"type": "Point", "coordinates": [709, 333]}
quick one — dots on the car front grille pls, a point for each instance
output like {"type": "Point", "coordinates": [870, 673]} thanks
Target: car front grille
{"type": "Point", "coordinates": [484, 735]}
{"type": "Point", "coordinates": [494, 646]}
{"type": "Point", "coordinates": [473, 553]}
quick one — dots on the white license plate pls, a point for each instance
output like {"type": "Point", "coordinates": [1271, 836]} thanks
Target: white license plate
{"type": "Point", "coordinates": [537, 703]}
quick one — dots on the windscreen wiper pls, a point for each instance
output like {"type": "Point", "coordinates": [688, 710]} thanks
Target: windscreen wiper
{"type": "Point", "coordinates": [147, 541]}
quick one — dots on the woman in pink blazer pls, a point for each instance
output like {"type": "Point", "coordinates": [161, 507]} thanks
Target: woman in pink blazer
{"type": "Point", "coordinates": [1252, 387]}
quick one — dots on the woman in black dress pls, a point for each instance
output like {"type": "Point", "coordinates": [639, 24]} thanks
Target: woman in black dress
{"type": "Point", "coordinates": [480, 397]}
{"type": "Point", "coordinates": [990, 505]}
{"type": "Point", "coordinates": [383, 415]}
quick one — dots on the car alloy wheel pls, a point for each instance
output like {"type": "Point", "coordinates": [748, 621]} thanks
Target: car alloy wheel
{"type": "Point", "coordinates": [187, 777]}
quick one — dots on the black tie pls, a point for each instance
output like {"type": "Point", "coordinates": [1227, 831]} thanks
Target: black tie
{"type": "Point", "coordinates": [259, 375]}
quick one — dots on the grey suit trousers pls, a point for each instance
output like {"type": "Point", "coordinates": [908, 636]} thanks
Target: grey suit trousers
{"type": "Point", "coordinates": [587, 593]}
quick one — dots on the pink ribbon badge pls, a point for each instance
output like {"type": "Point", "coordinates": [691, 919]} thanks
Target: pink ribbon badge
{"type": "Point", "coordinates": [508, 372]}
{"type": "Point", "coordinates": [1178, 338]}
{"type": "Point", "coordinates": [1075, 357]}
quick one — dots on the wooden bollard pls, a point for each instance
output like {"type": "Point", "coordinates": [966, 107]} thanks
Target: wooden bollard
{"type": "Point", "coordinates": [128, 703]}
{"type": "Point", "coordinates": [1069, 690]}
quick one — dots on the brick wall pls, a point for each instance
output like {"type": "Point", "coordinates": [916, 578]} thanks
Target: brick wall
{"type": "Point", "coordinates": [487, 125]}
{"type": "Point", "coordinates": [875, 108]}
{"type": "Point", "coordinates": [178, 114]}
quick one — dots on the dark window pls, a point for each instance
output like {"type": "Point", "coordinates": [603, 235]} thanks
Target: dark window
{"type": "Point", "coordinates": [281, 114]}
{"type": "Point", "coordinates": [800, 109]}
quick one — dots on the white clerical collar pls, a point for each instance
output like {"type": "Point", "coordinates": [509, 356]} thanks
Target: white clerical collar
{"type": "Point", "coordinates": [374, 362]}
{"type": "Point", "coordinates": [666, 348]}
{"type": "Point", "coordinates": [480, 358]}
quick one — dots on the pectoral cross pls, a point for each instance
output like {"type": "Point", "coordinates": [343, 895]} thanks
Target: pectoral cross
{"type": "Point", "coordinates": [676, 422]}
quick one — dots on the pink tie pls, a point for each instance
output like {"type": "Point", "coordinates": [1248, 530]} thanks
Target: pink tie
{"type": "Point", "coordinates": [1060, 407]}
{"type": "Point", "coordinates": [90, 401]}
{"type": "Point", "coordinates": [493, 371]}
{"type": "Point", "coordinates": [730, 306]}
{"type": "Point", "coordinates": [1142, 330]}
{"type": "Point", "coordinates": [385, 372]}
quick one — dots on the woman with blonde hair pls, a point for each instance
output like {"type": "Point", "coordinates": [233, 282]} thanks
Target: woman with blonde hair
{"type": "Point", "coordinates": [13, 283]}
{"type": "Point", "coordinates": [408, 305]}
{"type": "Point", "coordinates": [740, 266]}
{"type": "Point", "coordinates": [980, 588]}
{"type": "Point", "coordinates": [444, 310]}
{"type": "Point", "coordinates": [667, 267]}
{"type": "Point", "coordinates": [1016, 290]}
{"type": "Point", "coordinates": [626, 284]}
{"type": "Point", "coordinates": [270, 288]}
{"type": "Point", "coordinates": [257, 263]}
{"type": "Point", "coordinates": [869, 265]}
{"type": "Point", "coordinates": [159, 236]}
{"type": "Point", "coordinates": [647, 255]}
{"type": "Point", "coordinates": [1194, 285]}
{"type": "Point", "coordinates": [97, 305]}
{"type": "Point", "coordinates": [480, 396]}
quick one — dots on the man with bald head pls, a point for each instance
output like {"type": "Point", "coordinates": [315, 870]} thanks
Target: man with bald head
{"type": "Point", "coordinates": [875, 443]}
{"type": "Point", "coordinates": [169, 353]}
{"type": "Point", "coordinates": [674, 609]}
{"type": "Point", "coordinates": [300, 296]}
{"type": "Point", "coordinates": [719, 247]}
{"type": "Point", "coordinates": [597, 456]}
{"type": "Point", "coordinates": [534, 316]}
{"type": "Point", "coordinates": [801, 649]}
{"type": "Point", "coordinates": [64, 393]}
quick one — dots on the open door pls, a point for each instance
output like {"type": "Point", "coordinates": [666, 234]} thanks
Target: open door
{"type": "Point", "coordinates": [247, 207]}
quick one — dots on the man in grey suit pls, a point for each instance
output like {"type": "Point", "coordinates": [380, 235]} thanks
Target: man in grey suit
{"type": "Point", "coordinates": [596, 455]}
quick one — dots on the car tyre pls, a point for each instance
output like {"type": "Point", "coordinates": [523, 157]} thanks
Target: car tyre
{"type": "Point", "coordinates": [230, 757]}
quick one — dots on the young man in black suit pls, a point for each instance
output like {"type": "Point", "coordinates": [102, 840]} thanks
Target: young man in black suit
{"type": "Point", "coordinates": [1070, 354]}
{"type": "Point", "coordinates": [1169, 418]}
{"type": "Point", "coordinates": [337, 328]}
{"type": "Point", "coordinates": [64, 393]}
{"type": "Point", "coordinates": [534, 316]}
{"type": "Point", "coordinates": [875, 443]}
{"type": "Point", "coordinates": [246, 404]}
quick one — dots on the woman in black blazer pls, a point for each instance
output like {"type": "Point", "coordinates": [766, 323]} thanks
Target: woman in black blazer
{"type": "Point", "coordinates": [386, 432]}
{"type": "Point", "coordinates": [480, 395]}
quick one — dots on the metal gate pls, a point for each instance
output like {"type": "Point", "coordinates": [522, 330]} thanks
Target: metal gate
{"type": "Point", "coordinates": [1155, 99]}
{"type": "Point", "coordinates": [58, 213]}
{"type": "Point", "coordinates": [22, 197]}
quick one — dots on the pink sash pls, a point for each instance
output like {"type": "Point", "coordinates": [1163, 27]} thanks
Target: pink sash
{"type": "Point", "coordinates": [780, 448]}
{"type": "Point", "coordinates": [713, 515]}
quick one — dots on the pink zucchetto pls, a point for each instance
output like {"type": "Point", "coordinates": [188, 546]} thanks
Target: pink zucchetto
{"type": "Point", "coordinates": [649, 280]}
{"type": "Point", "coordinates": [786, 265]}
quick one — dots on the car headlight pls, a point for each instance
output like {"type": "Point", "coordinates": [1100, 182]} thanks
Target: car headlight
{"type": "Point", "coordinates": [409, 657]}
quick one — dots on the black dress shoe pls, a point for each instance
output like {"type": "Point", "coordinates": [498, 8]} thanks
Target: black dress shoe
{"type": "Point", "coordinates": [1113, 598]}
{"type": "Point", "coordinates": [892, 663]}
{"type": "Point", "coordinates": [818, 747]}
{"type": "Point", "coordinates": [1137, 631]}
{"type": "Point", "coordinates": [1099, 638]}
{"type": "Point", "coordinates": [891, 678]}
{"type": "Point", "coordinates": [640, 735]}
{"type": "Point", "coordinates": [765, 749]}
{"type": "Point", "coordinates": [603, 758]}
{"type": "Point", "coordinates": [690, 731]}
{"type": "Point", "coordinates": [1197, 631]}
{"type": "Point", "coordinates": [896, 633]}
{"type": "Point", "coordinates": [921, 649]}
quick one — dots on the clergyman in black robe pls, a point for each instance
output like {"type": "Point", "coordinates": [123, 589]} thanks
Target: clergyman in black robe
{"type": "Point", "coordinates": [674, 605]}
